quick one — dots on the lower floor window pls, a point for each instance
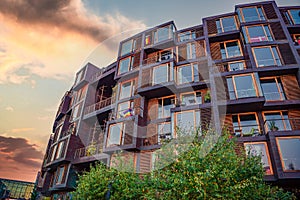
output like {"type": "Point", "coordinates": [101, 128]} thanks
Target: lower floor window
{"type": "Point", "coordinates": [187, 121]}
{"type": "Point", "coordinates": [115, 134]}
{"type": "Point", "coordinates": [289, 148]}
{"type": "Point", "coordinates": [164, 132]}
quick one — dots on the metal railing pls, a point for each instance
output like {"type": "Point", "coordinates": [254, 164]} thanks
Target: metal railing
{"type": "Point", "coordinates": [270, 96]}
{"type": "Point", "coordinates": [99, 105]}
{"type": "Point", "coordinates": [158, 58]}
{"type": "Point", "coordinates": [282, 124]}
{"type": "Point", "coordinates": [87, 151]}
{"type": "Point", "coordinates": [246, 131]}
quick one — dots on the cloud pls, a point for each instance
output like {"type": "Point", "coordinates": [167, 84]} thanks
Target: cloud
{"type": "Point", "coordinates": [18, 130]}
{"type": "Point", "coordinates": [19, 151]}
{"type": "Point", "coordinates": [9, 108]}
{"type": "Point", "coordinates": [51, 38]}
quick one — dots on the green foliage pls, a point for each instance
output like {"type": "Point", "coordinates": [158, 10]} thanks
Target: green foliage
{"type": "Point", "coordinates": [219, 173]}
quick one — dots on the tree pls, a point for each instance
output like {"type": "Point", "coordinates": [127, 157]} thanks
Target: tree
{"type": "Point", "coordinates": [221, 173]}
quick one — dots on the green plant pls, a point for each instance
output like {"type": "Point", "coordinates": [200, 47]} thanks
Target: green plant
{"type": "Point", "coordinates": [207, 97]}
{"type": "Point", "coordinates": [272, 126]}
{"type": "Point", "coordinates": [91, 150]}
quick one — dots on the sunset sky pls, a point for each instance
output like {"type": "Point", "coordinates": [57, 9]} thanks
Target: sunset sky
{"type": "Point", "coordinates": [43, 43]}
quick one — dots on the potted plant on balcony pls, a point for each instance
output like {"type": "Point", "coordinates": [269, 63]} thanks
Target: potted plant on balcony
{"type": "Point", "coordinates": [207, 97]}
{"type": "Point", "coordinates": [272, 126]}
{"type": "Point", "coordinates": [91, 149]}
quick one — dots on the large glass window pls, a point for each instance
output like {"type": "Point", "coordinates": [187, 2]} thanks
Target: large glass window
{"type": "Point", "coordinates": [127, 47]}
{"type": "Point", "coordinates": [187, 73]}
{"type": "Point", "coordinates": [164, 132]}
{"type": "Point", "coordinates": [191, 98]}
{"type": "Point", "coordinates": [127, 89]}
{"type": "Point", "coordinates": [125, 64]}
{"type": "Point", "coordinates": [242, 86]}
{"type": "Point", "coordinates": [230, 49]}
{"type": "Point", "coordinates": [266, 56]}
{"type": "Point", "coordinates": [295, 16]}
{"type": "Point", "coordinates": [164, 107]}
{"type": "Point", "coordinates": [260, 149]}
{"type": "Point", "coordinates": [80, 76]}
{"type": "Point", "coordinates": [289, 148]}
{"type": "Point", "coordinates": [191, 51]}
{"type": "Point", "coordinates": [250, 14]}
{"type": "Point", "coordinates": [277, 121]}
{"type": "Point", "coordinates": [187, 35]}
{"type": "Point", "coordinates": [163, 33]}
{"type": "Point", "coordinates": [187, 121]}
{"type": "Point", "coordinates": [60, 150]}
{"type": "Point", "coordinates": [226, 24]}
{"type": "Point", "coordinates": [160, 74]}
{"type": "Point", "coordinates": [115, 135]}
{"type": "Point", "coordinates": [59, 175]}
{"type": "Point", "coordinates": [245, 124]}
{"type": "Point", "coordinates": [272, 89]}
{"type": "Point", "coordinates": [257, 33]}
{"type": "Point", "coordinates": [125, 109]}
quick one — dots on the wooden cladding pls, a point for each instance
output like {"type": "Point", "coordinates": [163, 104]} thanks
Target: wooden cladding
{"type": "Point", "coordinates": [129, 129]}
{"type": "Point", "coordinates": [215, 51]}
{"type": "Point", "coordinates": [145, 162]}
{"type": "Point", "coordinates": [138, 43]}
{"type": "Point", "coordinates": [152, 109]}
{"type": "Point", "coordinates": [200, 49]}
{"type": "Point", "coordinates": [212, 27]}
{"type": "Point", "coordinates": [294, 116]}
{"type": "Point", "coordinates": [277, 31]}
{"type": "Point", "coordinates": [228, 124]}
{"type": "Point", "coordinates": [269, 11]}
{"type": "Point", "coordinates": [146, 77]}
{"type": "Point", "coordinates": [291, 87]}
{"type": "Point", "coordinates": [182, 53]}
{"type": "Point", "coordinates": [136, 60]}
{"type": "Point", "coordinates": [287, 54]}
{"type": "Point", "coordinates": [152, 134]}
{"type": "Point", "coordinates": [206, 117]}
{"type": "Point", "coordinates": [185, 51]}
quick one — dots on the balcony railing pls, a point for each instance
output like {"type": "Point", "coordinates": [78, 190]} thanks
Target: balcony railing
{"type": "Point", "coordinates": [273, 96]}
{"type": "Point", "coordinates": [158, 58]}
{"type": "Point", "coordinates": [128, 112]}
{"type": "Point", "coordinates": [246, 131]}
{"type": "Point", "coordinates": [99, 105]}
{"type": "Point", "coordinates": [87, 151]}
{"type": "Point", "coordinates": [282, 124]}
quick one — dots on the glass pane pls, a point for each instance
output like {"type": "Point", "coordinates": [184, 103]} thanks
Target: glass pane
{"type": "Point", "coordinates": [160, 74]}
{"type": "Point", "coordinates": [188, 99]}
{"type": "Point", "coordinates": [236, 66]}
{"type": "Point", "coordinates": [244, 86]}
{"type": "Point", "coordinates": [115, 135]}
{"type": "Point", "coordinates": [162, 34]}
{"type": "Point", "coordinates": [126, 47]}
{"type": "Point", "coordinates": [125, 90]}
{"type": "Point", "coordinates": [196, 73]}
{"type": "Point", "coordinates": [250, 14]}
{"type": "Point", "coordinates": [223, 52]}
{"type": "Point", "coordinates": [248, 124]}
{"type": "Point", "coordinates": [270, 89]}
{"type": "Point", "coordinates": [185, 74]}
{"type": "Point", "coordinates": [123, 110]}
{"type": "Point", "coordinates": [167, 107]}
{"type": "Point", "coordinates": [289, 149]}
{"type": "Point", "coordinates": [228, 24]}
{"type": "Point", "coordinates": [164, 131]}
{"type": "Point", "coordinates": [185, 122]}
{"type": "Point", "coordinates": [191, 51]}
{"type": "Point", "coordinates": [277, 119]}
{"type": "Point", "coordinates": [124, 65]}
{"type": "Point", "coordinates": [264, 57]}
{"type": "Point", "coordinates": [296, 16]}
{"type": "Point", "coordinates": [259, 149]}
{"type": "Point", "coordinates": [257, 34]}
{"type": "Point", "coordinates": [230, 88]}
{"type": "Point", "coordinates": [233, 49]}
{"type": "Point", "coordinates": [219, 28]}
{"type": "Point", "coordinates": [286, 121]}
{"type": "Point", "coordinates": [276, 56]}
{"type": "Point", "coordinates": [184, 36]}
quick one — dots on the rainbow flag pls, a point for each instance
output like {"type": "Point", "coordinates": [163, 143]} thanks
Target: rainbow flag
{"type": "Point", "coordinates": [128, 113]}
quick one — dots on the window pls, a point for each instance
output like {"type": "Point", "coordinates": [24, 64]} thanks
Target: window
{"type": "Point", "coordinates": [294, 16]}
{"type": "Point", "coordinates": [79, 76]}
{"type": "Point", "coordinates": [191, 51]}
{"type": "Point", "coordinates": [266, 56]}
{"type": "Point", "coordinates": [260, 149]}
{"type": "Point", "coordinates": [76, 112]}
{"type": "Point", "coordinates": [250, 14]}
{"type": "Point", "coordinates": [128, 47]}
{"type": "Point", "coordinates": [125, 109]}
{"type": "Point", "coordinates": [81, 93]}
{"type": "Point", "coordinates": [160, 74]}
{"type": "Point", "coordinates": [163, 33]}
{"type": "Point", "coordinates": [60, 150]}
{"type": "Point", "coordinates": [234, 66]}
{"type": "Point", "coordinates": [191, 98]}
{"type": "Point", "coordinates": [164, 132]}
{"type": "Point", "coordinates": [187, 35]}
{"type": "Point", "coordinates": [242, 86]}
{"type": "Point", "coordinates": [230, 49]}
{"type": "Point", "coordinates": [59, 175]}
{"type": "Point", "coordinates": [257, 33]}
{"type": "Point", "coordinates": [187, 73]}
{"type": "Point", "coordinates": [226, 24]}
{"type": "Point", "coordinates": [245, 124]}
{"type": "Point", "coordinates": [296, 38]}
{"type": "Point", "coordinates": [272, 89]}
{"type": "Point", "coordinates": [164, 107]}
{"type": "Point", "coordinates": [289, 148]}
{"type": "Point", "coordinates": [53, 152]}
{"type": "Point", "coordinates": [125, 64]}
{"type": "Point", "coordinates": [187, 121]}
{"type": "Point", "coordinates": [115, 134]}
{"type": "Point", "coordinates": [127, 89]}
{"type": "Point", "coordinates": [277, 121]}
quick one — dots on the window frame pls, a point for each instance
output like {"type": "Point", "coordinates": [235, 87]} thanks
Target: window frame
{"type": "Point", "coordinates": [263, 26]}
{"type": "Point", "coordinates": [132, 88]}
{"type": "Point", "coordinates": [225, 48]}
{"type": "Point", "coordinates": [291, 18]}
{"type": "Point", "coordinates": [280, 152]}
{"type": "Point", "coordinates": [160, 133]}
{"type": "Point", "coordinates": [281, 116]}
{"type": "Point", "coordinates": [191, 35]}
{"type": "Point", "coordinates": [239, 122]}
{"type": "Point", "coordinates": [192, 66]}
{"type": "Point", "coordinates": [155, 34]}
{"type": "Point", "coordinates": [273, 56]}
{"type": "Point", "coordinates": [281, 94]}
{"type": "Point", "coordinates": [130, 105]}
{"type": "Point", "coordinates": [258, 14]}
{"type": "Point", "coordinates": [162, 116]}
{"type": "Point", "coordinates": [221, 24]}
{"type": "Point", "coordinates": [130, 64]}
{"type": "Point", "coordinates": [195, 97]}
{"type": "Point", "coordinates": [228, 68]}
{"type": "Point", "coordinates": [167, 79]}
{"type": "Point", "coordinates": [267, 154]}
{"type": "Point", "coordinates": [121, 137]}
{"type": "Point", "coordinates": [57, 175]}
{"type": "Point", "coordinates": [194, 119]}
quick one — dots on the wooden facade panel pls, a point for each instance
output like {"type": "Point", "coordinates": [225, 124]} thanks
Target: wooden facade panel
{"type": "Point", "coordinates": [200, 49]}
{"type": "Point", "coordinates": [215, 51]}
{"type": "Point", "coordinates": [152, 109]}
{"type": "Point", "coordinates": [287, 54]}
{"type": "Point", "coordinates": [291, 87]}
{"type": "Point", "coordinates": [145, 162]}
{"type": "Point", "coordinates": [137, 106]}
{"type": "Point", "coordinates": [138, 44]}
{"type": "Point", "coordinates": [129, 128]}
{"type": "Point", "coordinates": [277, 31]}
{"type": "Point", "coordinates": [152, 134]}
{"type": "Point", "coordinates": [211, 27]}
{"type": "Point", "coordinates": [206, 117]}
{"type": "Point", "coordinates": [182, 53]}
{"type": "Point", "coordinates": [146, 77]}
{"type": "Point", "coordinates": [228, 125]}
{"type": "Point", "coordinates": [270, 11]}
{"type": "Point", "coordinates": [136, 61]}
{"type": "Point", "coordinates": [199, 32]}
{"type": "Point", "coordinates": [294, 116]}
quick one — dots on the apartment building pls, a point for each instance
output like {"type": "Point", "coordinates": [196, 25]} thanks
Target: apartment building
{"type": "Point", "coordinates": [237, 71]}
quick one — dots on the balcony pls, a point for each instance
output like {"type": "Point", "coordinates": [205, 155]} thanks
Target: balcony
{"type": "Point", "coordinates": [88, 151]}
{"type": "Point", "coordinates": [282, 124]}
{"type": "Point", "coordinates": [99, 105]}
{"type": "Point", "coordinates": [247, 131]}
{"type": "Point", "coordinates": [158, 59]}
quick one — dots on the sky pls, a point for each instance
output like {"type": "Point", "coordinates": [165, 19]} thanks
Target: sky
{"type": "Point", "coordinates": [43, 43]}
